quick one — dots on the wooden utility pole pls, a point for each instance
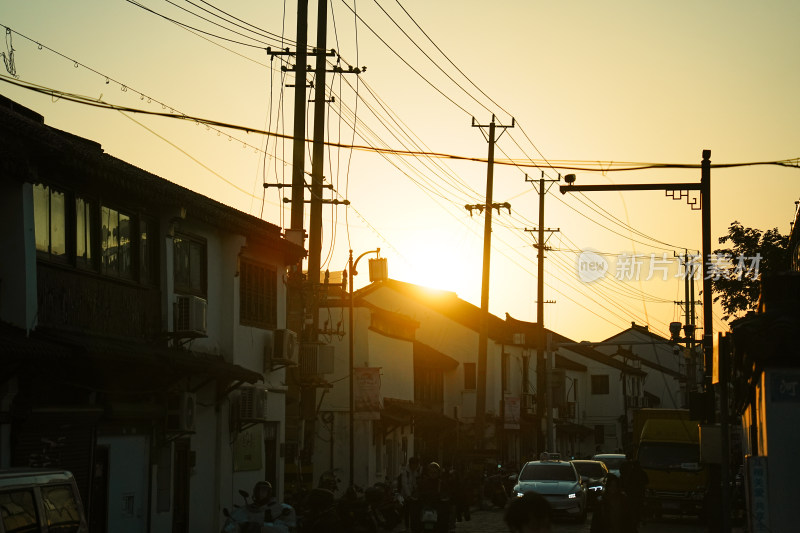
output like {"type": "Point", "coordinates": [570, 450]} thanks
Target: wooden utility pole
{"type": "Point", "coordinates": [542, 404]}
{"type": "Point", "coordinates": [299, 136]}
{"type": "Point", "coordinates": [317, 166]}
{"type": "Point", "coordinates": [483, 333]}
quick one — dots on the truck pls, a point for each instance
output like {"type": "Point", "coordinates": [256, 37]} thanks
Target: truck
{"type": "Point", "coordinates": [667, 445]}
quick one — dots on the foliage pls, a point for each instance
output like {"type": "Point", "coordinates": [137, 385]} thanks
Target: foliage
{"type": "Point", "coordinates": [738, 290]}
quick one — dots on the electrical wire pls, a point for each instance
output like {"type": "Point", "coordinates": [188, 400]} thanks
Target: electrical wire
{"type": "Point", "coordinates": [137, 4]}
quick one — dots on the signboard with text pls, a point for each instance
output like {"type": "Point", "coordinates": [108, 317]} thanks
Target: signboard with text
{"type": "Point", "coordinates": [367, 393]}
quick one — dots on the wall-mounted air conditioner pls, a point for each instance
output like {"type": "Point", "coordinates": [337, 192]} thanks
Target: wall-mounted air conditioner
{"type": "Point", "coordinates": [190, 314]}
{"type": "Point", "coordinates": [282, 350]}
{"type": "Point", "coordinates": [252, 404]}
{"type": "Point", "coordinates": [316, 359]}
{"type": "Point", "coordinates": [181, 412]}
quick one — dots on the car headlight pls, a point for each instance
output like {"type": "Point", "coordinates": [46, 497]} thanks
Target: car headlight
{"type": "Point", "coordinates": [519, 494]}
{"type": "Point", "coordinates": [596, 487]}
{"type": "Point", "coordinates": [572, 495]}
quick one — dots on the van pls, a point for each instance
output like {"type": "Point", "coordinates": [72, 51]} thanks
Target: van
{"type": "Point", "coordinates": [34, 499]}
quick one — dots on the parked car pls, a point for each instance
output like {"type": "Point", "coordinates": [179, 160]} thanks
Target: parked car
{"type": "Point", "coordinates": [559, 483]}
{"type": "Point", "coordinates": [611, 460]}
{"type": "Point", "coordinates": [35, 499]}
{"type": "Point", "coordinates": [593, 474]}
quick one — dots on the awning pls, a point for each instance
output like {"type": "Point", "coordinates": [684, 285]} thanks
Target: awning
{"type": "Point", "coordinates": [426, 356]}
{"type": "Point", "coordinates": [399, 411]}
{"type": "Point", "coordinates": [122, 364]}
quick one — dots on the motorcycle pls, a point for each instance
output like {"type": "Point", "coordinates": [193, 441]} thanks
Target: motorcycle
{"type": "Point", "coordinates": [429, 518]}
{"type": "Point", "coordinates": [385, 504]}
{"type": "Point", "coordinates": [271, 517]}
{"type": "Point", "coordinates": [320, 512]}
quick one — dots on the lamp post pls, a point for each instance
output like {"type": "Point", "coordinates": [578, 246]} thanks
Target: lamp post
{"type": "Point", "coordinates": [351, 269]}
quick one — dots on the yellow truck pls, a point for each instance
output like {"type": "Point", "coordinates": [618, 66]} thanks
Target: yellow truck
{"type": "Point", "coordinates": [667, 446]}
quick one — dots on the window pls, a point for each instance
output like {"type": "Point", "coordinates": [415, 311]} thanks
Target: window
{"type": "Point", "coordinates": [190, 265]}
{"type": "Point", "coordinates": [258, 290]}
{"type": "Point", "coordinates": [147, 252]}
{"type": "Point", "coordinates": [504, 370]}
{"type": "Point", "coordinates": [61, 509]}
{"type": "Point", "coordinates": [49, 212]}
{"type": "Point", "coordinates": [83, 232]}
{"type": "Point", "coordinates": [599, 434]}
{"type": "Point", "coordinates": [429, 387]}
{"type": "Point", "coordinates": [115, 243]}
{"type": "Point", "coordinates": [19, 510]}
{"type": "Point", "coordinates": [548, 472]}
{"type": "Point", "coordinates": [76, 230]}
{"type": "Point", "coordinates": [470, 376]}
{"type": "Point", "coordinates": [600, 384]}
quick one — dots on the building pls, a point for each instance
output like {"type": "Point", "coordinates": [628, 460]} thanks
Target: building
{"type": "Point", "coordinates": [763, 375]}
{"type": "Point", "coordinates": [136, 333]}
{"type": "Point", "coordinates": [416, 387]}
{"type": "Point", "coordinates": [416, 348]}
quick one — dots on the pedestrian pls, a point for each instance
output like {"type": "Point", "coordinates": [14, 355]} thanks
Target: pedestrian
{"type": "Point", "coordinates": [529, 513]}
{"type": "Point", "coordinates": [634, 481]}
{"type": "Point", "coordinates": [407, 486]}
{"type": "Point", "coordinates": [612, 513]}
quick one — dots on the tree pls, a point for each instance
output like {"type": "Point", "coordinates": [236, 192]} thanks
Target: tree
{"type": "Point", "coordinates": [737, 271]}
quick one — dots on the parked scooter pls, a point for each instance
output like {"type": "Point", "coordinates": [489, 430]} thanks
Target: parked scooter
{"type": "Point", "coordinates": [262, 514]}
{"type": "Point", "coordinates": [386, 505]}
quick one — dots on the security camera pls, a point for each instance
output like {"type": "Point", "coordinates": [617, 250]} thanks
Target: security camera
{"type": "Point", "coordinates": [569, 179]}
{"type": "Point", "coordinates": [675, 331]}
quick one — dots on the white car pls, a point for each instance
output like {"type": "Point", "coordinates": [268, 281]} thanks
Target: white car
{"type": "Point", "coordinates": [559, 483]}
{"type": "Point", "coordinates": [611, 460]}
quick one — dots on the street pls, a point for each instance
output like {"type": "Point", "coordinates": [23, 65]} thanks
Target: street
{"type": "Point", "coordinates": [486, 521]}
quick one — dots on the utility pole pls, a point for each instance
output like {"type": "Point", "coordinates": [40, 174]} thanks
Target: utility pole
{"type": "Point", "coordinates": [543, 405]}
{"type": "Point", "coordinates": [689, 328]}
{"type": "Point", "coordinates": [483, 334]}
{"type": "Point", "coordinates": [317, 166]}
{"type": "Point", "coordinates": [708, 290]}
{"type": "Point", "coordinates": [299, 138]}
{"type": "Point", "coordinates": [303, 296]}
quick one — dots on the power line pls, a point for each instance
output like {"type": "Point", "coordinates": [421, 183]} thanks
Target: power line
{"type": "Point", "coordinates": [86, 100]}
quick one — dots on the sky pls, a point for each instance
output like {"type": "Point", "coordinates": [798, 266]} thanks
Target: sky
{"type": "Point", "coordinates": [587, 84]}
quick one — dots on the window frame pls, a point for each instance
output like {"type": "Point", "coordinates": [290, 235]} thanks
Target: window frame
{"type": "Point", "coordinates": [48, 254]}
{"type": "Point", "coordinates": [470, 376]}
{"type": "Point", "coordinates": [258, 294]}
{"type": "Point", "coordinates": [597, 387]}
{"type": "Point", "coordinates": [92, 258]}
{"type": "Point", "coordinates": [130, 252]}
{"type": "Point", "coordinates": [187, 289]}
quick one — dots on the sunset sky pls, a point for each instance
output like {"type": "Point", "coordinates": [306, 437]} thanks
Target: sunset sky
{"type": "Point", "coordinates": [587, 83]}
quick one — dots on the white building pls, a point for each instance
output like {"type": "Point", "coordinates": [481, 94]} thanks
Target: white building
{"type": "Point", "coordinates": [423, 345]}
{"type": "Point", "coordinates": [135, 316]}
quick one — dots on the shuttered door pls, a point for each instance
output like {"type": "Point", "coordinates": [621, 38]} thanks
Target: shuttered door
{"type": "Point", "coordinates": [63, 440]}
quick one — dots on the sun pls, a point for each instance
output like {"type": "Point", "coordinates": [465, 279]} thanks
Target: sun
{"type": "Point", "coordinates": [440, 266]}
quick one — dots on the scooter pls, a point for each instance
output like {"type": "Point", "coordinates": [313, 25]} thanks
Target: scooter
{"type": "Point", "coordinates": [429, 518]}
{"type": "Point", "coordinates": [273, 517]}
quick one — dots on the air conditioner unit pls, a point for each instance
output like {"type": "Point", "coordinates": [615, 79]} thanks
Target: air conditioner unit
{"type": "Point", "coordinates": [282, 350]}
{"type": "Point", "coordinates": [190, 314]}
{"type": "Point", "coordinates": [181, 411]}
{"type": "Point", "coordinates": [252, 404]}
{"type": "Point", "coordinates": [316, 359]}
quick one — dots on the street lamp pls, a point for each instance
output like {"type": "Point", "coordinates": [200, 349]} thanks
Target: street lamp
{"type": "Point", "coordinates": [351, 273]}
